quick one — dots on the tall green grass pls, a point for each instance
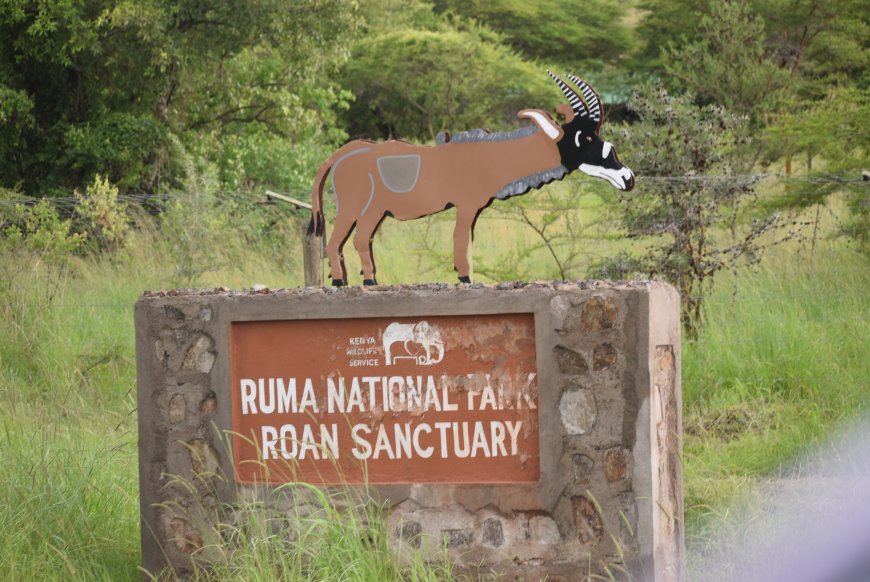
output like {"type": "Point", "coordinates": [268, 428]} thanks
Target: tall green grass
{"type": "Point", "coordinates": [69, 504]}
{"type": "Point", "coordinates": [780, 362]}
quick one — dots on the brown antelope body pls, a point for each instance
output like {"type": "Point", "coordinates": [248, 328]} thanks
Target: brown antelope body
{"type": "Point", "coordinates": [406, 181]}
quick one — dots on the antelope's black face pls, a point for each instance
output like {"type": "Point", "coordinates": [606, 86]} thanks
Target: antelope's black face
{"type": "Point", "coordinates": [582, 149]}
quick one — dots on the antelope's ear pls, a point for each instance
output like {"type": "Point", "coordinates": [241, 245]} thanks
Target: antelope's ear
{"type": "Point", "coordinates": [543, 120]}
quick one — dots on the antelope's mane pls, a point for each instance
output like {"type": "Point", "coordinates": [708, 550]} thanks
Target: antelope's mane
{"type": "Point", "coordinates": [478, 135]}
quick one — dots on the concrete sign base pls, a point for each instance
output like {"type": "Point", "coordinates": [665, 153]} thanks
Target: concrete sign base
{"type": "Point", "coordinates": [532, 430]}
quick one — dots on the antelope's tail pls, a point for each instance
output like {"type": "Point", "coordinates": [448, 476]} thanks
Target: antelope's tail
{"type": "Point", "coordinates": [318, 223]}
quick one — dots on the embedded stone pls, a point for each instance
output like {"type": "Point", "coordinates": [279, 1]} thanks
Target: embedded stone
{"type": "Point", "coordinates": [617, 463]}
{"type": "Point", "coordinates": [208, 404]}
{"type": "Point", "coordinates": [599, 314]}
{"type": "Point", "coordinates": [578, 411]}
{"type": "Point", "coordinates": [203, 458]}
{"type": "Point", "coordinates": [587, 520]}
{"type": "Point", "coordinates": [569, 361]}
{"type": "Point", "coordinates": [582, 468]}
{"type": "Point", "coordinates": [173, 312]}
{"type": "Point", "coordinates": [410, 532]}
{"type": "Point", "coordinates": [200, 355]}
{"type": "Point", "coordinates": [457, 538]}
{"type": "Point", "coordinates": [544, 530]}
{"type": "Point", "coordinates": [205, 313]}
{"type": "Point", "coordinates": [177, 409]}
{"type": "Point", "coordinates": [603, 357]}
{"type": "Point", "coordinates": [187, 539]}
{"type": "Point", "coordinates": [493, 532]}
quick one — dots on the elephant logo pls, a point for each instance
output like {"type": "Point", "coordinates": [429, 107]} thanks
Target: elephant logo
{"type": "Point", "coordinates": [420, 341]}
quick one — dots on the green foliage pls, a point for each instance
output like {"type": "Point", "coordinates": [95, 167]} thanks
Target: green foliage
{"type": "Point", "coordinates": [562, 221]}
{"type": "Point", "coordinates": [779, 367]}
{"type": "Point", "coordinates": [689, 198]}
{"type": "Point", "coordinates": [103, 218]}
{"type": "Point", "coordinates": [380, 16]}
{"type": "Point", "coordinates": [35, 242]}
{"type": "Point", "coordinates": [40, 232]}
{"type": "Point", "coordinates": [122, 146]}
{"type": "Point", "coordinates": [579, 37]}
{"type": "Point", "coordinates": [729, 64]}
{"type": "Point", "coordinates": [836, 129]}
{"type": "Point", "coordinates": [98, 87]}
{"type": "Point", "coordinates": [819, 43]}
{"type": "Point", "coordinates": [196, 227]}
{"type": "Point", "coordinates": [327, 534]}
{"type": "Point", "coordinates": [415, 83]}
{"type": "Point", "coordinates": [815, 42]}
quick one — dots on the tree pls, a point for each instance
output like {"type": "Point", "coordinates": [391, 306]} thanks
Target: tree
{"type": "Point", "coordinates": [728, 65]}
{"type": "Point", "coordinates": [816, 42]}
{"type": "Point", "coordinates": [686, 205]}
{"type": "Point", "coordinates": [101, 85]}
{"type": "Point", "coordinates": [838, 130]}
{"type": "Point", "coordinates": [581, 37]}
{"type": "Point", "coordinates": [414, 83]}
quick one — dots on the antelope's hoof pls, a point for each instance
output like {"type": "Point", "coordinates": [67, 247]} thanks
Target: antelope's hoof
{"type": "Point", "coordinates": [369, 282]}
{"type": "Point", "coordinates": [465, 279]}
{"type": "Point", "coordinates": [338, 283]}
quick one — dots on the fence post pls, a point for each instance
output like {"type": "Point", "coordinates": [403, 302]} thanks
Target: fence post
{"type": "Point", "coordinates": [312, 244]}
{"type": "Point", "coordinates": [312, 256]}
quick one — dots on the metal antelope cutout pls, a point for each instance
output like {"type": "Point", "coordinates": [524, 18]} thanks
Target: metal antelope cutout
{"type": "Point", "coordinates": [468, 171]}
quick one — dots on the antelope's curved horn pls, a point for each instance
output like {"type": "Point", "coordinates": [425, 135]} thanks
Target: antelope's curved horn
{"type": "Point", "coordinates": [591, 97]}
{"type": "Point", "coordinates": [574, 100]}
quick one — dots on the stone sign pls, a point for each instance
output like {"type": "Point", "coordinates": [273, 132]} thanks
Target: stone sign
{"type": "Point", "coordinates": [531, 431]}
{"type": "Point", "coordinates": [386, 400]}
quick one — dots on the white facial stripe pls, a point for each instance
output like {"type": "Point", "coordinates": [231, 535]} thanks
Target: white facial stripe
{"type": "Point", "coordinates": [615, 177]}
{"type": "Point", "coordinates": [577, 138]}
{"type": "Point", "coordinates": [605, 151]}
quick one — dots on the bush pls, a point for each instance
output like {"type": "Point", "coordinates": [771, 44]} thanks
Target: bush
{"type": "Point", "coordinates": [103, 218]}
{"type": "Point", "coordinates": [196, 227]}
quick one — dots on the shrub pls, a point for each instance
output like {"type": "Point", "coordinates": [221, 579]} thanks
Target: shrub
{"type": "Point", "coordinates": [103, 218]}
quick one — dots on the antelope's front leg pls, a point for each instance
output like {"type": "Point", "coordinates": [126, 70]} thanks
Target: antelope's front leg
{"type": "Point", "coordinates": [461, 242]}
{"type": "Point", "coordinates": [362, 241]}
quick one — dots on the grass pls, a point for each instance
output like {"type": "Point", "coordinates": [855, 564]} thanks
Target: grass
{"type": "Point", "coordinates": [326, 535]}
{"type": "Point", "coordinates": [780, 364]}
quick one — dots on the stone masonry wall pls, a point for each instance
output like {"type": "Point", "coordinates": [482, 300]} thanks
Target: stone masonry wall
{"type": "Point", "coordinates": [610, 493]}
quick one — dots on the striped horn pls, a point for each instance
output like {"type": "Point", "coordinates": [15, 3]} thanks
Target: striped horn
{"type": "Point", "coordinates": [591, 97]}
{"type": "Point", "coordinates": [574, 100]}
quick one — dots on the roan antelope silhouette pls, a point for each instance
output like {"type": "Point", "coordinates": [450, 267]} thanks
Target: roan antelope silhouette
{"type": "Point", "coordinates": [467, 171]}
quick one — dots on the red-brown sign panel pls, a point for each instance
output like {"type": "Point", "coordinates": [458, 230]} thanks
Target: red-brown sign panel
{"type": "Point", "coordinates": [386, 400]}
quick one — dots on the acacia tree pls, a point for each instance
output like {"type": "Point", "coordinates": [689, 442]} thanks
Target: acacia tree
{"type": "Point", "coordinates": [815, 41]}
{"type": "Point", "coordinates": [688, 200]}
{"type": "Point", "coordinates": [837, 129]}
{"type": "Point", "coordinates": [728, 65]}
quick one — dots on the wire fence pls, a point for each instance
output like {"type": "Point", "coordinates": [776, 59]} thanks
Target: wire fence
{"type": "Point", "coordinates": [844, 181]}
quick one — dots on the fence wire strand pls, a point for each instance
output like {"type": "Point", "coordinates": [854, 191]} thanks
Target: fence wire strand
{"type": "Point", "coordinates": [846, 181]}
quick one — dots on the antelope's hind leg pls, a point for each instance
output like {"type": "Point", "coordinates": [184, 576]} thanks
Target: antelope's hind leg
{"type": "Point", "coordinates": [362, 241]}
{"type": "Point", "coordinates": [341, 230]}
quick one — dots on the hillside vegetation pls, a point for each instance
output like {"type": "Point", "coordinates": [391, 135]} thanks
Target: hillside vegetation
{"type": "Point", "coordinates": [137, 141]}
